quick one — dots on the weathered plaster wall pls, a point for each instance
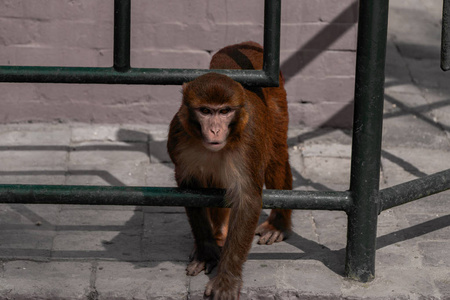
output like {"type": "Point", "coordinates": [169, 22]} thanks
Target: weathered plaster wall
{"type": "Point", "coordinates": [318, 41]}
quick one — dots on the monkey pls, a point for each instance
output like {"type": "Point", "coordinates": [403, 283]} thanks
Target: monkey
{"type": "Point", "coordinates": [231, 137]}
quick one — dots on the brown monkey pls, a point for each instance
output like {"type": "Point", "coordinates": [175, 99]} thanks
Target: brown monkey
{"type": "Point", "coordinates": [226, 136]}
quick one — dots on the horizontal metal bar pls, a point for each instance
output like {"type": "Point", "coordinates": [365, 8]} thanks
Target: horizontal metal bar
{"type": "Point", "coordinates": [164, 196]}
{"type": "Point", "coordinates": [314, 200]}
{"type": "Point", "coordinates": [83, 75]}
{"type": "Point", "coordinates": [414, 189]}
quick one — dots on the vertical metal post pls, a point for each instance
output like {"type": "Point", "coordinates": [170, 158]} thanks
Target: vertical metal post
{"type": "Point", "coordinates": [122, 29]}
{"type": "Point", "coordinates": [367, 133]}
{"type": "Point", "coordinates": [445, 38]}
{"type": "Point", "coordinates": [272, 21]}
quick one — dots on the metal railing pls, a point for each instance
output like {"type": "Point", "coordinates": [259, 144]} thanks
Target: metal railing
{"type": "Point", "coordinates": [445, 37]}
{"type": "Point", "coordinates": [362, 203]}
{"type": "Point", "coordinates": [122, 73]}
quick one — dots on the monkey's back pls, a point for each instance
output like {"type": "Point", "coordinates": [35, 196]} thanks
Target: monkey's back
{"type": "Point", "coordinates": [243, 56]}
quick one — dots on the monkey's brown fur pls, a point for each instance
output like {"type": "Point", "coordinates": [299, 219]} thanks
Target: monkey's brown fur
{"type": "Point", "coordinates": [252, 138]}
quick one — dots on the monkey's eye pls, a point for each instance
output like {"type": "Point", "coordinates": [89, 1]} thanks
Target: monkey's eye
{"type": "Point", "coordinates": [225, 111]}
{"type": "Point", "coordinates": [205, 110]}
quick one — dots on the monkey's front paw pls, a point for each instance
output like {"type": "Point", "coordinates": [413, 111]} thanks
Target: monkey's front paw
{"type": "Point", "coordinates": [206, 259]}
{"type": "Point", "coordinates": [223, 287]}
{"type": "Point", "coordinates": [269, 234]}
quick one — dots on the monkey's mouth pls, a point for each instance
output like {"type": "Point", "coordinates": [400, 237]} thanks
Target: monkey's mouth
{"type": "Point", "coordinates": [214, 146]}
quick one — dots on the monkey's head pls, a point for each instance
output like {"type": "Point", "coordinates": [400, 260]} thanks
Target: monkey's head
{"type": "Point", "coordinates": [213, 110]}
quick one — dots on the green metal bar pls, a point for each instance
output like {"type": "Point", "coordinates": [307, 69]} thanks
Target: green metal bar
{"type": "Point", "coordinates": [414, 189]}
{"type": "Point", "coordinates": [83, 75]}
{"type": "Point", "coordinates": [445, 38]}
{"type": "Point", "coordinates": [122, 29]}
{"type": "Point", "coordinates": [272, 21]}
{"type": "Point", "coordinates": [163, 196]}
{"type": "Point", "coordinates": [367, 133]}
{"type": "Point", "coordinates": [313, 200]}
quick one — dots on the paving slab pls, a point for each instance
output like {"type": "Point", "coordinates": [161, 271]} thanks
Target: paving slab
{"type": "Point", "coordinates": [155, 238]}
{"type": "Point", "coordinates": [98, 132]}
{"type": "Point", "coordinates": [23, 279]}
{"type": "Point", "coordinates": [121, 280]}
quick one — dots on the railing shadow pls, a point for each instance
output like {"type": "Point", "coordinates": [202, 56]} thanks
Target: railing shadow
{"type": "Point", "coordinates": [320, 42]}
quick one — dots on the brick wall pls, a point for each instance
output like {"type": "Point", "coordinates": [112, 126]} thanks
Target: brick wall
{"type": "Point", "coordinates": [318, 41]}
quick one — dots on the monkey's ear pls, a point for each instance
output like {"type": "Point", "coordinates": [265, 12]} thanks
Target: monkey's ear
{"type": "Point", "coordinates": [183, 89]}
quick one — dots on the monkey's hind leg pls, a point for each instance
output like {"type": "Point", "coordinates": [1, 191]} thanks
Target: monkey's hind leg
{"type": "Point", "coordinates": [278, 225]}
{"type": "Point", "coordinates": [206, 252]}
{"type": "Point", "coordinates": [219, 218]}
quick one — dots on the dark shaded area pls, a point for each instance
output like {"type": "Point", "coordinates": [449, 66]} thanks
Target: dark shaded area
{"type": "Point", "coordinates": [320, 42]}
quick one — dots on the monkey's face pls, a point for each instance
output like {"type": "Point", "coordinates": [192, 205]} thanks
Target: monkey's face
{"type": "Point", "coordinates": [215, 121]}
{"type": "Point", "coordinates": [212, 109]}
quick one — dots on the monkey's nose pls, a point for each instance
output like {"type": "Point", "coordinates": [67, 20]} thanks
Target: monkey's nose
{"type": "Point", "coordinates": [215, 131]}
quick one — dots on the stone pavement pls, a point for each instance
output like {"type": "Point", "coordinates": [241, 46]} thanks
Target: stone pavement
{"type": "Point", "coordinates": [109, 252]}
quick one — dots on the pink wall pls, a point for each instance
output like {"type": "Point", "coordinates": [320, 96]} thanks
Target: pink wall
{"type": "Point", "coordinates": [318, 41]}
